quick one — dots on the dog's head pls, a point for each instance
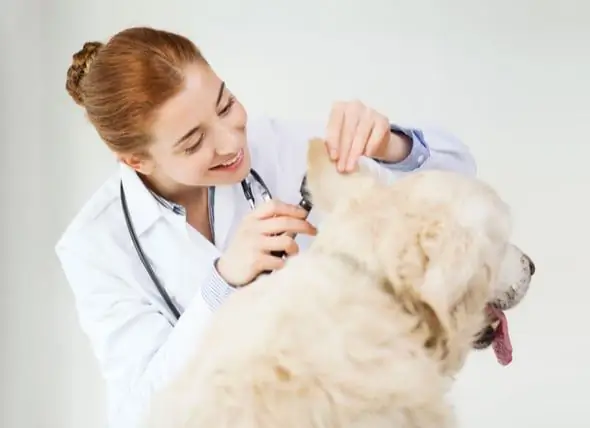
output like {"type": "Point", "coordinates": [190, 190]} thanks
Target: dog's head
{"type": "Point", "coordinates": [439, 241]}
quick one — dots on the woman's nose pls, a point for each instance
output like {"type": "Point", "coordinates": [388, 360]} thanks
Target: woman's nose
{"type": "Point", "coordinates": [228, 141]}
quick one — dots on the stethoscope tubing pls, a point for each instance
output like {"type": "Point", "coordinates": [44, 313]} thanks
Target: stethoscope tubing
{"type": "Point", "coordinates": [248, 194]}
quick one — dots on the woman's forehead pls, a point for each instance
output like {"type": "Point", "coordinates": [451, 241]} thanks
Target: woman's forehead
{"type": "Point", "coordinates": [195, 105]}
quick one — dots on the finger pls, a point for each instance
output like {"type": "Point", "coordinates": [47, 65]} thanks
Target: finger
{"type": "Point", "coordinates": [279, 243]}
{"type": "Point", "coordinates": [275, 208]}
{"type": "Point", "coordinates": [377, 137]}
{"type": "Point", "coordinates": [288, 225]}
{"type": "Point", "coordinates": [351, 121]}
{"type": "Point", "coordinates": [334, 129]}
{"type": "Point", "coordinates": [359, 143]}
{"type": "Point", "coordinates": [266, 262]}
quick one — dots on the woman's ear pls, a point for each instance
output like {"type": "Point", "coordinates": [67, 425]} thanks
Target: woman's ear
{"type": "Point", "coordinates": [140, 163]}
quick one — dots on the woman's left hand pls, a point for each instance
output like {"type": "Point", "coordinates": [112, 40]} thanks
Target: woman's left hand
{"type": "Point", "coordinates": [355, 130]}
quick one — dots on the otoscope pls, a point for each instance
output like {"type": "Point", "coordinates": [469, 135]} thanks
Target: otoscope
{"type": "Point", "coordinates": [304, 203]}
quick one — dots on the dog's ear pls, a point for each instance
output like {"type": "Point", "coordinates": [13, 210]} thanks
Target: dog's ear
{"type": "Point", "coordinates": [453, 238]}
{"type": "Point", "coordinates": [454, 286]}
{"type": "Point", "coordinates": [328, 187]}
{"type": "Point", "coordinates": [432, 272]}
{"type": "Point", "coordinates": [452, 263]}
{"type": "Point", "coordinates": [464, 249]}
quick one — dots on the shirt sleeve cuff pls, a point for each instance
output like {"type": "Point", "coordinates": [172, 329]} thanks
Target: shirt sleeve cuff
{"type": "Point", "coordinates": [419, 153]}
{"type": "Point", "coordinates": [215, 290]}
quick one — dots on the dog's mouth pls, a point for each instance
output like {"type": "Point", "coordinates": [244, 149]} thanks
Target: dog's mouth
{"type": "Point", "coordinates": [496, 334]}
{"type": "Point", "coordinates": [510, 290]}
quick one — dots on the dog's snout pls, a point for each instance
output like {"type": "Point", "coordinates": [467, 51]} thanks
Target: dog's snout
{"type": "Point", "coordinates": [532, 267]}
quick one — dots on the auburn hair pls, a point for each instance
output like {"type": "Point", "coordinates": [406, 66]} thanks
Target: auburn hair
{"type": "Point", "coordinates": [121, 84]}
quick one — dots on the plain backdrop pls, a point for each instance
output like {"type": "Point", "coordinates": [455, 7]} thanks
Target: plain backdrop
{"type": "Point", "coordinates": [510, 78]}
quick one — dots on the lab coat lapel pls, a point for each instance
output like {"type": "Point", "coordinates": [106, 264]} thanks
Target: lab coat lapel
{"type": "Point", "coordinates": [224, 214]}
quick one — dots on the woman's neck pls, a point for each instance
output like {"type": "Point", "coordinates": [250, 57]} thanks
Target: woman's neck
{"type": "Point", "coordinates": [194, 200]}
{"type": "Point", "coordinates": [190, 197]}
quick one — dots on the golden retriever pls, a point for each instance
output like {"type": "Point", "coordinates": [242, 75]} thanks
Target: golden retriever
{"type": "Point", "coordinates": [366, 328]}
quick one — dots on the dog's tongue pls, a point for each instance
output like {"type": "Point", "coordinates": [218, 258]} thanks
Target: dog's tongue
{"type": "Point", "coordinates": [502, 345]}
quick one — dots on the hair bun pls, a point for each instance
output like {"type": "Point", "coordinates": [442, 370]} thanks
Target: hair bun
{"type": "Point", "coordinates": [81, 62]}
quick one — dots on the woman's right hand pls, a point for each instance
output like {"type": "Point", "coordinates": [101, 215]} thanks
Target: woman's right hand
{"type": "Point", "coordinates": [269, 227]}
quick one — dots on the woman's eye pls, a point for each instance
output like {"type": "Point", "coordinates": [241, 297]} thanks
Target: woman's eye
{"type": "Point", "coordinates": [228, 106]}
{"type": "Point", "coordinates": [194, 147]}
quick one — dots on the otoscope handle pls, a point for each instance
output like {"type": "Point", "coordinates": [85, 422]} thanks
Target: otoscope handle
{"type": "Point", "coordinates": [307, 207]}
{"type": "Point", "coordinates": [304, 203]}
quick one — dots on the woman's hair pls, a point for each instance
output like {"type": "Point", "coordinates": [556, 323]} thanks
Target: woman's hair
{"type": "Point", "coordinates": [122, 83]}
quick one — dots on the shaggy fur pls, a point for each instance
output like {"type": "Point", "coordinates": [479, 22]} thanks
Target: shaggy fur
{"type": "Point", "coordinates": [368, 327]}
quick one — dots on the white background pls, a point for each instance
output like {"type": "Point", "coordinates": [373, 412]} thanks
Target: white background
{"type": "Point", "coordinates": [511, 78]}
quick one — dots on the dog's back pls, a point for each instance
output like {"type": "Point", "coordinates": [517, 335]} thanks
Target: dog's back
{"type": "Point", "coordinates": [314, 345]}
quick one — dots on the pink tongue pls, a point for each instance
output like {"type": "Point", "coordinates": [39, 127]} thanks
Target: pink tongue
{"type": "Point", "coordinates": [502, 345]}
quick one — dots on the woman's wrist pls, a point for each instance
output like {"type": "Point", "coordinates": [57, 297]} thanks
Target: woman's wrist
{"type": "Point", "coordinates": [221, 268]}
{"type": "Point", "coordinates": [216, 289]}
{"type": "Point", "coordinates": [397, 148]}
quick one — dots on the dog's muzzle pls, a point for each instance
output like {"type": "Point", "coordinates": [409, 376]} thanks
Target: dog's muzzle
{"type": "Point", "coordinates": [513, 285]}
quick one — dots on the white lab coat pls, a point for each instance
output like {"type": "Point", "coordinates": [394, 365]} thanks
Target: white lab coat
{"type": "Point", "coordinates": [133, 335]}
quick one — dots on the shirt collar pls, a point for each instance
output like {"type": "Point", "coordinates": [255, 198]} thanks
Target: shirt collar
{"type": "Point", "coordinates": [169, 205]}
{"type": "Point", "coordinates": [144, 207]}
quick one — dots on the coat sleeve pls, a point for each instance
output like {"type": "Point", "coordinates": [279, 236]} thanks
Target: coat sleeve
{"type": "Point", "coordinates": [432, 148]}
{"type": "Point", "coordinates": [137, 347]}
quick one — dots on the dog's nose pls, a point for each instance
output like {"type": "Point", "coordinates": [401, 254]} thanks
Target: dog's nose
{"type": "Point", "coordinates": [531, 266]}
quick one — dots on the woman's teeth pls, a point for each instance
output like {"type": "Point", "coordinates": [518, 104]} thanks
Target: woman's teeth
{"type": "Point", "coordinates": [231, 161]}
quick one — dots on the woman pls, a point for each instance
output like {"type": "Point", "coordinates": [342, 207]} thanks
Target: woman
{"type": "Point", "coordinates": [185, 144]}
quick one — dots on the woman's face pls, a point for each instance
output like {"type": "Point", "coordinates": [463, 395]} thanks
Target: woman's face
{"type": "Point", "coordinates": [199, 136]}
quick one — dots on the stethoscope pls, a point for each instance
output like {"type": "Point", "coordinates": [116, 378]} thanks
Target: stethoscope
{"type": "Point", "coordinates": [253, 181]}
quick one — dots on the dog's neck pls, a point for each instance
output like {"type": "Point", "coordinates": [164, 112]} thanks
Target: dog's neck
{"type": "Point", "coordinates": [426, 323]}
{"type": "Point", "coordinates": [353, 263]}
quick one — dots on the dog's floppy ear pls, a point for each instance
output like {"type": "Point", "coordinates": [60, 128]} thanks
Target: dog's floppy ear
{"type": "Point", "coordinates": [453, 246]}
{"type": "Point", "coordinates": [464, 250]}
{"type": "Point", "coordinates": [430, 274]}
{"type": "Point", "coordinates": [450, 268]}
{"type": "Point", "coordinates": [453, 262]}
{"type": "Point", "coordinates": [328, 187]}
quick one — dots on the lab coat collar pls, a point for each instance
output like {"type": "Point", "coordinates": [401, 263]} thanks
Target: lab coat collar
{"type": "Point", "coordinates": [144, 209]}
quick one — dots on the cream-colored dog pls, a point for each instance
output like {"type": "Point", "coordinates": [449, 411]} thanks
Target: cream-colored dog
{"type": "Point", "coordinates": [367, 328]}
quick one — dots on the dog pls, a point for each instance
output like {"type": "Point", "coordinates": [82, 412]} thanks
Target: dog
{"type": "Point", "coordinates": [369, 326]}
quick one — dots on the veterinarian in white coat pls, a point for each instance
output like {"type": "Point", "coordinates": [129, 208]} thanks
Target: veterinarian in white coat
{"type": "Point", "coordinates": [185, 144]}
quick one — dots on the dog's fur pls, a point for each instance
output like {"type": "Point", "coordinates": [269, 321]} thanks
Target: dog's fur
{"type": "Point", "coordinates": [365, 329]}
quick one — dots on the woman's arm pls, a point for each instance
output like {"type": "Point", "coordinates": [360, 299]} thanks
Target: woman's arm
{"type": "Point", "coordinates": [284, 143]}
{"type": "Point", "coordinates": [137, 347]}
{"type": "Point", "coordinates": [433, 149]}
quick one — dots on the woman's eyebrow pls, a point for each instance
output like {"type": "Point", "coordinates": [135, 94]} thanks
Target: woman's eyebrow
{"type": "Point", "coordinates": [220, 94]}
